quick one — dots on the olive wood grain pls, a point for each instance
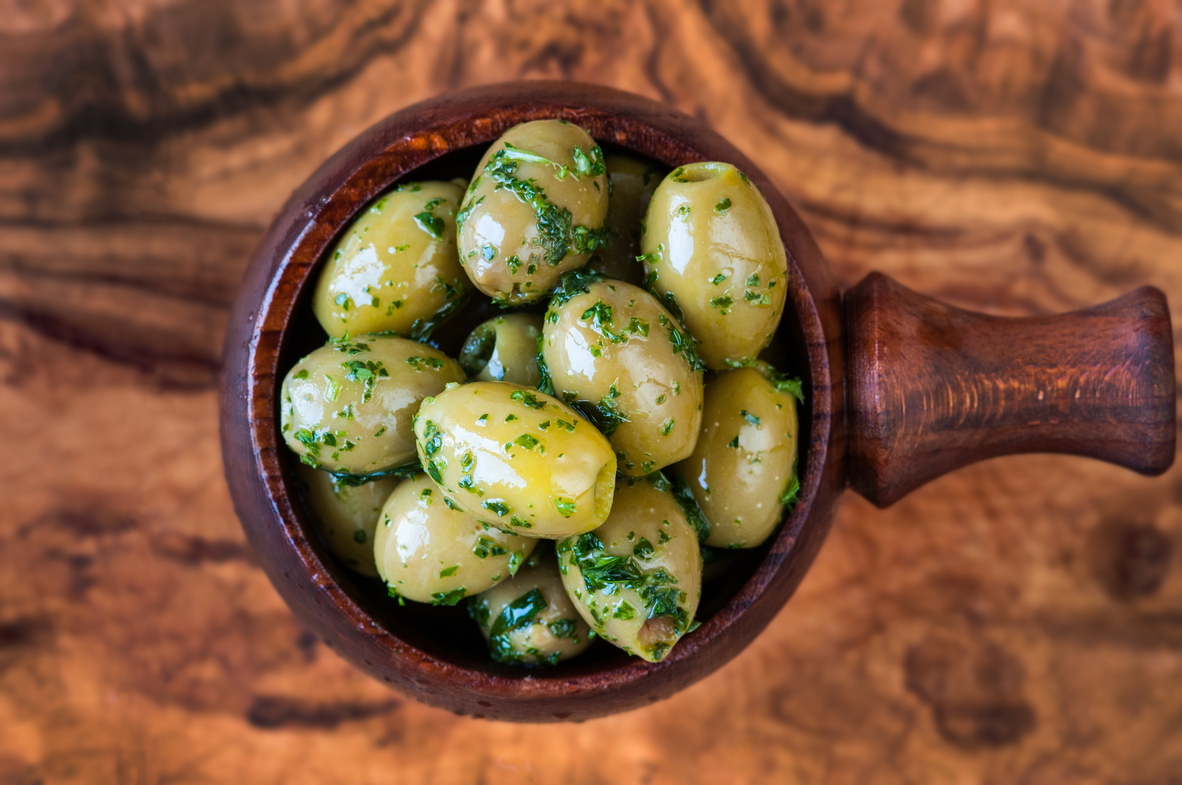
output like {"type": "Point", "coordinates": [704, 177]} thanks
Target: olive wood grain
{"type": "Point", "coordinates": [933, 388]}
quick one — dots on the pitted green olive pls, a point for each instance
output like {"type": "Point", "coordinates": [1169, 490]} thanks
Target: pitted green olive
{"type": "Point", "coordinates": [535, 208]}
{"type": "Point", "coordinates": [712, 251]}
{"type": "Point", "coordinates": [528, 619]}
{"type": "Point", "coordinates": [504, 349]}
{"type": "Point", "coordinates": [614, 349]}
{"type": "Point", "coordinates": [632, 185]}
{"type": "Point", "coordinates": [743, 470]}
{"type": "Point", "coordinates": [345, 514]}
{"type": "Point", "coordinates": [428, 552]}
{"type": "Point", "coordinates": [516, 458]}
{"type": "Point", "coordinates": [396, 267]}
{"type": "Point", "coordinates": [347, 407]}
{"type": "Point", "coordinates": [637, 578]}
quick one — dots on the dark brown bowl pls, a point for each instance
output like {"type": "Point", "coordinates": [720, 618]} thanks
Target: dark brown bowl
{"type": "Point", "coordinates": [931, 388]}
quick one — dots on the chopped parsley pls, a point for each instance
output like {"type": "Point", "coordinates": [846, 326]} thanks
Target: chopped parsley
{"type": "Point", "coordinates": [431, 224]}
{"type": "Point", "coordinates": [449, 597]}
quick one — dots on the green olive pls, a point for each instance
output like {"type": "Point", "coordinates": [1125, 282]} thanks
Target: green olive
{"type": "Point", "coordinates": [743, 469]}
{"type": "Point", "coordinates": [632, 185]}
{"type": "Point", "coordinates": [345, 514]}
{"type": "Point", "coordinates": [535, 208]}
{"type": "Point", "coordinates": [347, 407]}
{"type": "Point", "coordinates": [712, 249]}
{"type": "Point", "coordinates": [516, 458]}
{"type": "Point", "coordinates": [637, 578]}
{"type": "Point", "coordinates": [428, 552]}
{"type": "Point", "coordinates": [504, 349]}
{"type": "Point", "coordinates": [528, 619]}
{"type": "Point", "coordinates": [615, 349]}
{"type": "Point", "coordinates": [395, 268]}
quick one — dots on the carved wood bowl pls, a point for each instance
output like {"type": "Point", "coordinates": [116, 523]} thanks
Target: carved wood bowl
{"type": "Point", "coordinates": [899, 389]}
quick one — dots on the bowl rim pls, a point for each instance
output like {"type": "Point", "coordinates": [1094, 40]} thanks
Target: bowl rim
{"type": "Point", "coordinates": [284, 264]}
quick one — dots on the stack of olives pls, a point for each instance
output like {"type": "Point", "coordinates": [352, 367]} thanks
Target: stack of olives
{"type": "Point", "coordinates": [565, 475]}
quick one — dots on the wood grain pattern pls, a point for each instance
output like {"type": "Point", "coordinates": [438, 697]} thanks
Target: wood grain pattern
{"type": "Point", "coordinates": [933, 388]}
{"type": "Point", "coordinates": [1016, 621]}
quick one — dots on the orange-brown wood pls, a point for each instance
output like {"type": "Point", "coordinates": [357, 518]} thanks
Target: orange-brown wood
{"type": "Point", "coordinates": [1013, 621]}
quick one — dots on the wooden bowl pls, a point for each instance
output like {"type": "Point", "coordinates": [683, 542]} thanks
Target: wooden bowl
{"type": "Point", "coordinates": [899, 389]}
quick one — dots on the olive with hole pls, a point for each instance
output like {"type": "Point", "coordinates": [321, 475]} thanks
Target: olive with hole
{"type": "Point", "coordinates": [712, 251]}
{"type": "Point", "coordinates": [743, 469]}
{"type": "Point", "coordinates": [396, 267]}
{"type": "Point", "coordinates": [534, 209]}
{"type": "Point", "coordinates": [345, 514]}
{"type": "Point", "coordinates": [632, 184]}
{"type": "Point", "coordinates": [528, 619]}
{"type": "Point", "coordinates": [637, 578]}
{"type": "Point", "coordinates": [504, 349]}
{"type": "Point", "coordinates": [348, 406]}
{"type": "Point", "coordinates": [427, 551]}
{"type": "Point", "coordinates": [616, 352]}
{"type": "Point", "coordinates": [517, 459]}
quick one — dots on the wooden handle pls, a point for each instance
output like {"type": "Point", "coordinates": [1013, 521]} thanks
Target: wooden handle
{"type": "Point", "coordinates": [933, 388]}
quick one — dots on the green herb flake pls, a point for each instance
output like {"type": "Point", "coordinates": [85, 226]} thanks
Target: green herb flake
{"type": "Point", "coordinates": [499, 507]}
{"type": "Point", "coordinates": [419, 362]}
{"type": "Point", "coordinates": [722, 206]}
{"type": "Point", "coordinates": [449, 597]}
{"type": "Point", "coordinates": [515, 616]}
{"type": "Point", "coordinates": [448, 572]}
{"type": "Point", "coordinates": [526, 441]}
{"type": "Point", "coordinates": [485, 547]}
{"type": "Point", "coordinates": [722, 303]}
{"type": "Point", "coordinates": [563, 628]}
{"type": "Point", "coordinates": [624, 611]}
{"type": "Point", "coordinates": [749, 417]}
{"type": "Point", "coordinates": [433, 226]}
{"type": "Point", "coordinates": [527, 398]}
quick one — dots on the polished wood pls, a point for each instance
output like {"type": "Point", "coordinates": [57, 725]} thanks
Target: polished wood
{"type": "Point", "coordinates": [1013, 621]}
{"type": "Point", "coordinates": [933, 388]}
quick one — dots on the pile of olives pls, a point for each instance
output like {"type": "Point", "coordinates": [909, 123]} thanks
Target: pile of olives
{"type": "Point", "coordinates": [568, 472]}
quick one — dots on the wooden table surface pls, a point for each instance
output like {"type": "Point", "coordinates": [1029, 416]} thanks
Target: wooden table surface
{"type": "Point", "coordinates": [1019, 621]}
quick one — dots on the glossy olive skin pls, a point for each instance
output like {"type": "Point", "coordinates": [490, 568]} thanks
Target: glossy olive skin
{"type": "Point", "coordinates": [514, 244]}
{"type": "Point", "coordinates": [504, 349]}
{"type": "Point", "coordinates": [347, 407]}
{"type": "Point", "coordinates": [427, 552]}
{"type": "Point", "coordinates": [516, 459]}
{"type": "Point", "coordinates": [645, 600]}
{"type": "Point", "coordinates": [632, 184]}
{"type": "Point", "coordinates": [711, 244]}
{"type": "Point", "coordinates": [610, 346]}
{"type": "Point", "coordinates": [345, 515]}
{"type": "Point", "coordinates": [536, 630]}
{"type": "Point", "coordinates": [395, 267]}
{"type": "Point", "coordinates": [743, 466]}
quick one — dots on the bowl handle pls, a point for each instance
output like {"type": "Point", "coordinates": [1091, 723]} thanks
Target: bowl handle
{"type": "Point", "coordinates": [932, 388]}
